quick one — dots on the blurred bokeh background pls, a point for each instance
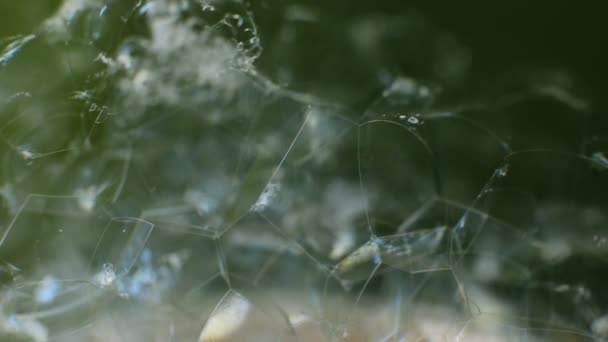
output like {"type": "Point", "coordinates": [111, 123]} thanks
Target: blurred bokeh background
{"type": "Point", "coordinates": [303, 170]}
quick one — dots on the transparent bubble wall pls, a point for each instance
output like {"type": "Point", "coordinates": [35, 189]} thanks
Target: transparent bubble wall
{"type": "Point", "coordinates": [173, 170]}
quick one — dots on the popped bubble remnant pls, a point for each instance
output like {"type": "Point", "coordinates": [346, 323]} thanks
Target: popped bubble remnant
{"type": "Point", "coordinates": [411, 119]}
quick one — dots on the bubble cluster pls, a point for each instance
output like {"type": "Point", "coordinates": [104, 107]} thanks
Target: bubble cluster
{"type": "Point", "coordinates": [192, 170]}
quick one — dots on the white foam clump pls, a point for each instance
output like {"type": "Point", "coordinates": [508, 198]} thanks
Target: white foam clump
{"type": "Point", "coordinates": [266, 197]}
{"type": "Point", "coordinates": [59, 22]}
{"type": "Point", "coordinates": [106, 277]}
{"type": "Point", "coordinates": [179, 65]}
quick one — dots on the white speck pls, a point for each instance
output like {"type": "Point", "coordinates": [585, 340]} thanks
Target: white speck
{"type": "Point", "coordinates": [503, 170]}
{"type": "Point", "coordinates": [208, 8]}
{"type": "Point", "coordinates": [26, 153]}
{"type": "Point", "coordinates": [402, 117]}
{"type": "Point", "coordinates": [81, 95]}
{"type": "Point", "coordinates": [103, 58]}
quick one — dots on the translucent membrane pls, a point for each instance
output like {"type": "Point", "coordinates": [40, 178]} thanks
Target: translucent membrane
{"type": "Point", "coordinates": [171, 171]}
